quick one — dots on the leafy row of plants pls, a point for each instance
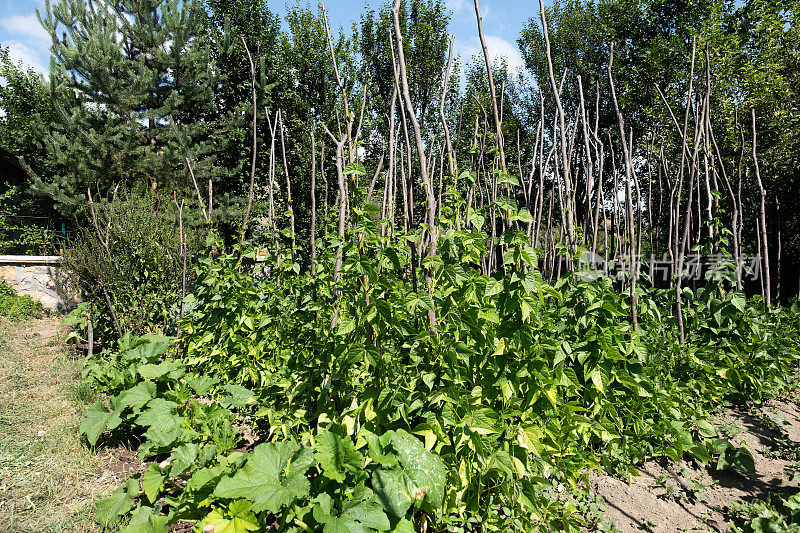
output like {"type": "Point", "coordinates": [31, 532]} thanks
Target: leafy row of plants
{"type": "Point", "coordinates": [778, 512]}
{"type": "Point", "coordinates": [338, 478]}
{"type": "Point", "coordinates": [328, 400]}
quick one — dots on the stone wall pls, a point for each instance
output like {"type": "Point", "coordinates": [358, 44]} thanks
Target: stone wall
{"type": "Point", "coordinates": [37, 276]}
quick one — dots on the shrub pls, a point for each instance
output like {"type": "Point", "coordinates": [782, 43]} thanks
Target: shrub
{"type": "Point", "coordinates": [14, 305]}
{"type": "Point", "coordinates": [131, 268]}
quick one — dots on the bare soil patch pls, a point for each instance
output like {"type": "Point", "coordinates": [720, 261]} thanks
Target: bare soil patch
{"type": "Point", "coordinates": [687, 496]}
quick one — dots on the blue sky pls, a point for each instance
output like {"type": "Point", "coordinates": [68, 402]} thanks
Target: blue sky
{"type": "Point", "coordinates": [502, 21]}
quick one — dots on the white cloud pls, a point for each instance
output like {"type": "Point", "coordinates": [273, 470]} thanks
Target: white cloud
{"type": "Point", "coordinates": [29, 42]}
{"type": "Point", "coordinates": [19, 52]}
{"type": "Point", "coordinates": [27, 26]}
{"type": "Point", "coordinates": [497, 46]}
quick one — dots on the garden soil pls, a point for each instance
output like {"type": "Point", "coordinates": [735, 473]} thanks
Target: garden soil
{"type": "Point", "coordinates": [686, 496]}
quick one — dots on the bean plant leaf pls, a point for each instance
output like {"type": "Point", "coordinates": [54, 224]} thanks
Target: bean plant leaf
{"type": "Point", "coordinates": [415, 301]}
{"type": "Point", "coordinates": [346, 325]}
{"type": "Point", "coordinates": [737, 456]}
{"type": "Point", "coordinates": [493, 287]}
{"type": "Point", "coordinates": [739, 301]}
{"type": "Point", "coordinates": [355, 169]}
{"type": "Point", "coordinates": [274, 476]}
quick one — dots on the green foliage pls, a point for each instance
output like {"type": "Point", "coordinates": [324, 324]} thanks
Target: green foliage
{"type": "Point", "coordinates": [356, 397]}
{"type": "Point", "coordinates": [272, 478]}
{"type": "Point", "coordinates": [369, 420]}
{"type": "Point", "coordinates": [112, 132]}
{"type": "Point", "coordinates": [141, 271]}
{"type": "Point", "coordinates": [779, 512]}
{"type": "Point", "coordinates": [158, 408]}
{"type": "Point", "coordinates": [13, 305]}
{"type": "Point", "coordinates": [423, 24]}
{"type": "Point", "coordinates": [27, 221]}
{"type": "Point", "coordinates": [27, 109]}
{"type": "Point", "coordinates": [27, 226]}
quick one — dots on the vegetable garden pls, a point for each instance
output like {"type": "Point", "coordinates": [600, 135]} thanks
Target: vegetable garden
{"type": "Point", "coordinates": [428, 343]}
{"type": "Point", "coordinates": [261, 414]}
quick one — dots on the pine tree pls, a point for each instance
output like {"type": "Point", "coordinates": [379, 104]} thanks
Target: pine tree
{"type": "Point", "coordinates": [132, 82]}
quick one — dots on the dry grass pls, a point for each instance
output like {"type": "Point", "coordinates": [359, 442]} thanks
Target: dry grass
{"type": "Point", "coordinates": [48, 478]}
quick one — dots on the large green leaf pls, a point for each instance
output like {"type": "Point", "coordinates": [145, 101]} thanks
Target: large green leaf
{"type": "Point", "coordinates": [153, 347]}
{"type": "Point", "coordinates": [425, 470]}
{"type": "Point", "coordinates": [362, 514]}
{"type": "Point", "coordinates": [337, 455]}
{"type": "Point", "coordinates": [154, 372]}
{"type": "Point", "coordinates": [274, 476]}
{"type": "Point", "coordinates": [154, 524]}
{"type": "Point", "coordinates": [239, 396]}
{"type": "Point", "coordinates": [183, 457]}
{"type": "Point", "coordinates": [201, 384]}
{"type": "Point", "coordinates": [146, 520]}
{"type": "Point", "coordinates": [98, 418]}
{"type": "Point", "coordinates": [420, 476]}
{"type": "Point", "coordinates": [159, 414]}
{"type": "Point", "coordinates": [390, 487]}
{"type": "Point", "coordinates": [237, 518]}
{"type": "Point", "coordinates": [117, 504]}
{"type": "Point", "coordinates": [138, 396]}
{"type": "Point", "coordinates": [153, 482]}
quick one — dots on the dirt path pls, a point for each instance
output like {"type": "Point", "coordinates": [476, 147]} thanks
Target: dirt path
{"type": "Point", "coordinates": [48, 479]}
{"type": "Point", "coordinates": [684, 496]}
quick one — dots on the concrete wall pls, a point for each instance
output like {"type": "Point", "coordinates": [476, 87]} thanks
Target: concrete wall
{"type": "Point", "coordinates": [37, 276]}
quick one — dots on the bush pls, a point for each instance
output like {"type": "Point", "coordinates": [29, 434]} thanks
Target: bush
{"type": "Point", "coordinates": [14, 305]}
{"type": "Point", "coordinates": [138, 276]}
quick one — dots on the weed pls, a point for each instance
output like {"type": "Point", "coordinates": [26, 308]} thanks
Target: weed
{"type": "Point", "coordinates": [13, 305]}
{"type": "Point", "coordinates": [778, 512]}
{"type": "Point", "coordinates": [82, 393]}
